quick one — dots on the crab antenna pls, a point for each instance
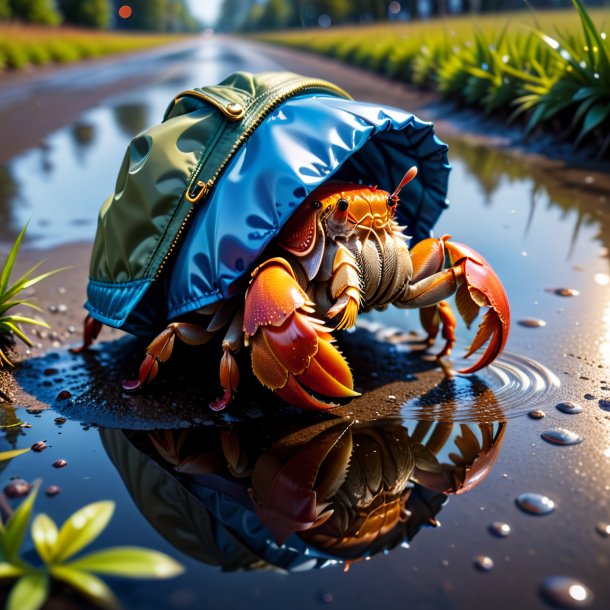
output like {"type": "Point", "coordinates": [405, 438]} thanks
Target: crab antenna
{"type": "Point", "coordinates": [411, 173]}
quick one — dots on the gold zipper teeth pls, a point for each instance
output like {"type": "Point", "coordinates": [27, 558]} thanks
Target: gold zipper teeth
{"type": "Point", "coordinates": [260, 117]}
{"type": "Point", "coordinates": [244, 136]}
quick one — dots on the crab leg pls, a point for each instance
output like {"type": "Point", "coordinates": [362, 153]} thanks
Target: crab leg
{"type": "Point", "coordinates": [292, 352]}
{"type": "Point", "coordinates": [229, 373]}
{"type": "Point", "coordinates": [476, 285]}
{"type": "Point", "coordinates": [91, 329]}
{"type": "Point", "coordinates": [160, 350]}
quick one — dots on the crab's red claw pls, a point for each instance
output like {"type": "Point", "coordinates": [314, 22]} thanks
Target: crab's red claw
{"type": "Point", "coordinates": [481, 287]}
{"type": "Point", "coordinates": [292, 353]}
{"type": "Point", "coordinates": [293, 495]}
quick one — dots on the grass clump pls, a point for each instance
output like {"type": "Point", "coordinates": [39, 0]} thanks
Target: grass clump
{"type": "Point", "coordinates": [58, 552]}
{"type": "Point", "coordinates": [551, 68]}
{"type": "Point", "coordinates": [11, 323]}
{"type": "Point", "coordinates": [25, 45]}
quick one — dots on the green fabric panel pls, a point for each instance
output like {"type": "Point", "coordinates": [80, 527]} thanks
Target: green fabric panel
{"type": "Point", "coordinates": [138, 226]}
{"type": "Point", "coordinates": [156, 167]}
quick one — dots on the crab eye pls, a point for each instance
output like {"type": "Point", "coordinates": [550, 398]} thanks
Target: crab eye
{"type": "Point", "coordinates": [316, 205]}
{"type": "Point", "coordinates": [391, 202]}
{"type": "Point", "coordinates": [342, 204]}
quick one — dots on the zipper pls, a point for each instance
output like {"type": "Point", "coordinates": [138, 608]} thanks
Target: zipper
{"type": "Point", "coordinates": [198, 189]}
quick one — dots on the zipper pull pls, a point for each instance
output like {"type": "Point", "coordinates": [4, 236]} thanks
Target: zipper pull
{"type": "Point", "coordinates": [198, 191]}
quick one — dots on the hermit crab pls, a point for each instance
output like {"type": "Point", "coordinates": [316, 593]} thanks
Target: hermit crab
{"type": "Point", "coordinates": [267, 209]}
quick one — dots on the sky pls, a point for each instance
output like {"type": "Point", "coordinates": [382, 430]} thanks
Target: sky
{"type": "Point", "coordinates": [205, 10]}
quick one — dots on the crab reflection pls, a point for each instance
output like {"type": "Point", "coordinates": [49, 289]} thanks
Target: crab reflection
{"type": "Point", "coordinates": [252, 497]}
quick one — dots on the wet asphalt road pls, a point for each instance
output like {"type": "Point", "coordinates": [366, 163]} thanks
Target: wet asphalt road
{"type": "Point", "coordinates": [543, 226]}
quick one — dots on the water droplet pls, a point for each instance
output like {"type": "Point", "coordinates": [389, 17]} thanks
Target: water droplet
{"type": "Point", "coordinates": [535, 504]}
{"type": "Point", "coordinates": [604, 404]}
{"type": "Point", "coordinates": [602, 279]}
{"type": "Point", "coordinates": [603, 529]}
{"type": "Point", "coordinates": [60, 420]}
{"type": "Point", "coordinates": [38, 446]}
{"type": "Point", "coordinates": [499, 529]}
{"type": "Point", "coordinates": [52, 490]}
{"type": "Point", "coordinates": [561, 436]}
{"type": "Point", "coordinates": [17, 488]}
{"type": "Point", "coordinates": [59, 464]}
{"type": "Point", "coordinates": [566, 292]}
{"type": "Point", "coordinates": [566, 592]}
{"type": "Point", "coordinates": [532, 322]}
{"type": "Point", "coordinates": [536, 414]}
{"type": "Point", "coordinates": [569, 407]}
{"type": "Point", "coordinates": [483, 563]}
{"type": "Point", "coordinates": [64, 395]}
{"type": "Point", "coordinates": [444, 563]}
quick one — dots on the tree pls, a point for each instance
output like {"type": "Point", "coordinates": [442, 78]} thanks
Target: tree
{"type": "Point", "coordinates": [5, 9]}
{"type": "Point", "coordinates": [89, 13]}
{"type": "Point", "coordinates": [36, 11]}
{"type": "Point", "coordinates": [234, 14]}
{"type": "Point", "coordinates": [146, 15]}
{"type": "Point", "coordinates": [276, 15]}
{"type": "Point", "coordinates": [157, 15]}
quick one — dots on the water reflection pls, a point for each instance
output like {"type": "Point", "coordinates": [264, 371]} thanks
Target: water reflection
{"type": "Point", "coordinates": [83, 136]}
{"type": "Point", "coordinates": [131, 117]}
{"type": "Point", "coordinates": [8, 193]}
{"type": "Point", "coordinates": [492, 169]}
{"type": "Point", "coordinates": [259, 496]}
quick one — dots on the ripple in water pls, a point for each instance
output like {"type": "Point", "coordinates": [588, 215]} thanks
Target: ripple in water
{"type": "Point", "coordinates": [512, 386]}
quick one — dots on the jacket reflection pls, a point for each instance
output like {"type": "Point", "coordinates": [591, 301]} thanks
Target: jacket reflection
{"type": "Point", "coordinates": [259, 496]}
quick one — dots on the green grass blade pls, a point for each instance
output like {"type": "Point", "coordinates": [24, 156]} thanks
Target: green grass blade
{"type": "Point", "coordinates": [87, 584]}
{"type": "Point", "coordinates": [26, 282]}
{"type": "Point", "coordinates": [19, 333]}
{"type": "Point", "coordinates": [20, 319]}
{"type": "Point", "coordinates": [9, 455]}
{"type": "Point", "coordinates": [10, 261]}
{"type": "Point", "coordinates": [5, 306]}
{"type": "Point", "coordinates": [130, 562]}
{"type": "Point", "coordinates": [82, 528]}
{"type": "Point", "coordinates": [596, 115]}
{"type": "Point", "coordinates": [593, 38]}
{"type": "Point", "coordinates": [29, 593]}
{"type": "Point", "coordinates": [4, 361]}
{"type": "Point", "coordinates": [16, 526]}
{"type": "Point", "coordinates": [8, 570]}
{"type": "Point", "coordinates": [44, 535]}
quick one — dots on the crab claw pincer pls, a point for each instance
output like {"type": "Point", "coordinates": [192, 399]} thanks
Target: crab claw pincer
{"type": "Point", "coordinates": [481, 287]}
{"type": "Point", "coordinates": [292, 353]}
